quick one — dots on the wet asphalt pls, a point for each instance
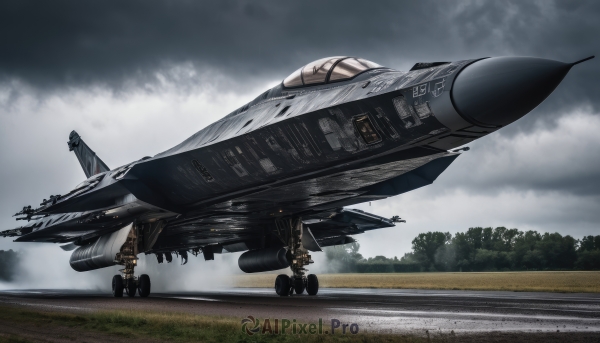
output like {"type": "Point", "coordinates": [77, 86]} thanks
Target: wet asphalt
{"type": "Point", "coordinates": [372, 310]}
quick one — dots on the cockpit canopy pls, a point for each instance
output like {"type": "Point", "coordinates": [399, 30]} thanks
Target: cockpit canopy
{"type": "Point", "coordinates": [328, 69]}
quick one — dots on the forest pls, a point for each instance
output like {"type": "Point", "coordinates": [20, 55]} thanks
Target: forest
{"type": "Point", "coordinates": [477, 249]}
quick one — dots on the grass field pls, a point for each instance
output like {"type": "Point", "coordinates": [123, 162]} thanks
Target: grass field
{"type": "Point", "coordinates": [568, 282]}
{"type": "Point", "coordinates": [133, 326]}
{"type": "Point", "coordinates": [19, 325]}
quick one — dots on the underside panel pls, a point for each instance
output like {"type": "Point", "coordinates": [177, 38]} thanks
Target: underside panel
{"type": "Point", "coordinates": [326, 219]}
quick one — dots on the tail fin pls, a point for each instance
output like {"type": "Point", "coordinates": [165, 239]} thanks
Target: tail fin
{"type": "Point", "coordinates": [90, 163]}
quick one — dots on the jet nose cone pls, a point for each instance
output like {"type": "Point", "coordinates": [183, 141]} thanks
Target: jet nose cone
{"type": "Point", "coordinates": [497, 91]}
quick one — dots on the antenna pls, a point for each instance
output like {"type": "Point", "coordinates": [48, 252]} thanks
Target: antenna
{"type": "Point", "coordinates": [583, 60]}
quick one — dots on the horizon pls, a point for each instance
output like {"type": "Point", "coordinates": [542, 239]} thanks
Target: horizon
{"type": "Point", "coordinates": [138, 86]}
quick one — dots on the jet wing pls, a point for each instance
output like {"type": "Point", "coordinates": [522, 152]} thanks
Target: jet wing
{"type": "Point", "coordinates": [332, 227]}
{"type": "Point", "coordinates": [242, 217]}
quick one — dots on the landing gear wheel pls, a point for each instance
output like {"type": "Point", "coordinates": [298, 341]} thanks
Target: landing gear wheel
{"type": "Point", "coordinates": [312, 284]}
{"type": "Point", "coordinates": [117, 286]}
{"type": "Point", "coordinates": [299, 285]}
{"type": "Point", "coordinates": [282, 285]}
{"type": "Point", "coordinates": [144, 285]}
{"type": "Point", "coordinates": [131, 288]}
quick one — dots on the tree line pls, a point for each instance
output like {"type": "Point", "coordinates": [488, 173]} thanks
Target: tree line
{"type": "Point", "coordinates": [478, 249]}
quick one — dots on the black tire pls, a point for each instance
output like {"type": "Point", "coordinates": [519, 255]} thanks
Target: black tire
{"type": "Point", "coordinates": [299, 285]}
{"type": "Point", "coordinates": [282, 285]}
{"type": "Point", "coordinates": [312, 284]}
{"type": "Point", "coordinates": [144, 285]}
{"type": "Point", "coordinates": [117, 286]}
{"type": "Point", "coordinates": [131, 288]}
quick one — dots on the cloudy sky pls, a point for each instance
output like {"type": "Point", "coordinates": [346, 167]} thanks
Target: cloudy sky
{"type": "Point", "coordinates": [135, 78]}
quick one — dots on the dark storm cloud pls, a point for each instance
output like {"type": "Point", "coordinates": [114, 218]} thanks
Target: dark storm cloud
{"type": "Point", "coordinates": [71, 43]}
{"type": "Point", "coordinates": [557, 161]}
{"type": "Point", "coordinates": [76, 55]}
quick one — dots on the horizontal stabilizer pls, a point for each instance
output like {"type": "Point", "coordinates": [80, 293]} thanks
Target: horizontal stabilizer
{"type": "Point", "coordinates": [90, 163]}
{"type": "Point", "coordinates": [334, 229]}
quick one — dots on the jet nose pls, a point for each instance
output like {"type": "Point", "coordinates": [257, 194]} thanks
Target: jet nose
{"type": "Point", "coordinates": [497, 91]}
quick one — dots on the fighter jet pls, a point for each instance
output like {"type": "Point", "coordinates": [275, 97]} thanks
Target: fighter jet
{"type": "Point", "coordinates": [273, 177]}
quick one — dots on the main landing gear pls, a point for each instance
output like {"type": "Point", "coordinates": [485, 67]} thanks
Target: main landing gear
{"type": "Point", "coordinates": [127, 281]}
{"type": "Point", "coordinates": [288, 285]}
{"type": "Point", "coordinates": [299, 257]}
{"type": "Point", "coordinates": [130, 286]}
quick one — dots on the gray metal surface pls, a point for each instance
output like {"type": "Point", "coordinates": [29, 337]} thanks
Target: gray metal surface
{"type": "Point", "coordinates": [90, 162]}
{"type": "Point", "coordinates": [100, 253]}
{"type": "Point", "coordinates": [263, 260]}
{"type": "Point", "coordinates": [305, 151]}
{"type": "Point", "coordinates": [496, 91]}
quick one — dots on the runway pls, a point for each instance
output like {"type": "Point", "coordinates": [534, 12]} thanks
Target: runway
{"type": "Point", "coordinates": [373, 310]}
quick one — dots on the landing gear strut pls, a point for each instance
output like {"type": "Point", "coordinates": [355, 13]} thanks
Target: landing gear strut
{"type": "Point", "coordinates": [127, 281]}
{"type": "Point", "coordinates": [290, 231]}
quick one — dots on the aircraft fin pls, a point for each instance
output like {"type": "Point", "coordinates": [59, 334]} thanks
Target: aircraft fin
{"type": "Point", "coordinates": [90, 163]}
